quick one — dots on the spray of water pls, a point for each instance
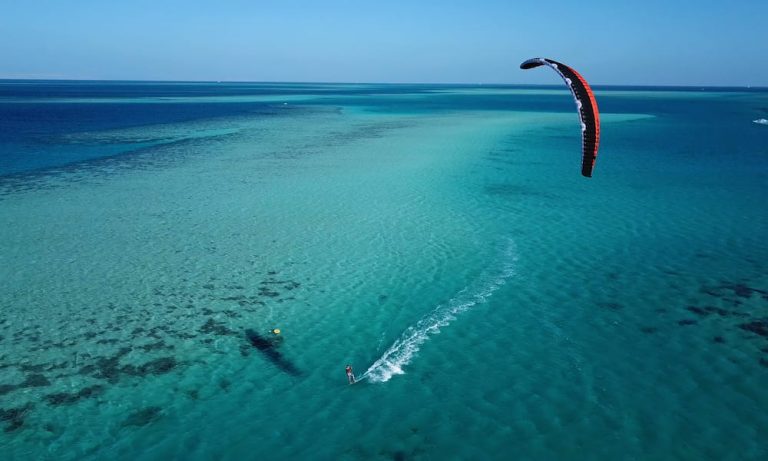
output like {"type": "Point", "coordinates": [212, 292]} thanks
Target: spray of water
{"type": "Point", "coordinates": [405, 347]}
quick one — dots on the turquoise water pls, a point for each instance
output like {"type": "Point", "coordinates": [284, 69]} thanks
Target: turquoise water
{"type": "Point", "coordinates": [440, 239]}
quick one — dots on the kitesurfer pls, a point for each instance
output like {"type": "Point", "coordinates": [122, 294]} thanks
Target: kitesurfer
{"type": "Point", "coordinates": [350, 375]}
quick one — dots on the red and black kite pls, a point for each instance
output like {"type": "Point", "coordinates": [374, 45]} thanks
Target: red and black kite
{"type": "Point", "coordinates": [585, 102]}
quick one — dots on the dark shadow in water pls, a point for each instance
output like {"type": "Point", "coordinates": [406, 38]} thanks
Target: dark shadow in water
{"type": "Point", "coordinates": [268, 347]}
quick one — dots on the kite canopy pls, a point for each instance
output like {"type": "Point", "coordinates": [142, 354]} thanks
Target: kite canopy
{"type": "Point", "coordinates": [585, 103]}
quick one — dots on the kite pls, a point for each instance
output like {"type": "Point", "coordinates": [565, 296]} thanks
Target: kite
{"type": "Point", "coordinates": [585, 103]}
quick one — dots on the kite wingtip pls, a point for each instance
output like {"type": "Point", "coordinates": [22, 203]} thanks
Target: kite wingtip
{"type": "Point", "coordinates": [531, 63]}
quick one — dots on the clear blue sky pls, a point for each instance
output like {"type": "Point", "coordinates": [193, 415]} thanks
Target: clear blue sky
{"type": "Point", "coordinates": [676, 42]}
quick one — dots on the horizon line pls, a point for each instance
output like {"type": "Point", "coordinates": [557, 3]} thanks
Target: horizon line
{"type": "Point", "coordinates": [310, 82]}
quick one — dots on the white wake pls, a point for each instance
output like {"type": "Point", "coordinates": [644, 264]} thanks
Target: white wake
{"type": "Point", "coordinates": [402, 351]}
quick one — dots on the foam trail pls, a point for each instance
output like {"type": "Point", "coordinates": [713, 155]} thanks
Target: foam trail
{"type": "Point", "coordinates": [402, 351]}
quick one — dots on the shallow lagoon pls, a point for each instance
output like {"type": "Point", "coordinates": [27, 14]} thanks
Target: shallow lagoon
{"type": "Point", "coordinates": [617, 317]}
